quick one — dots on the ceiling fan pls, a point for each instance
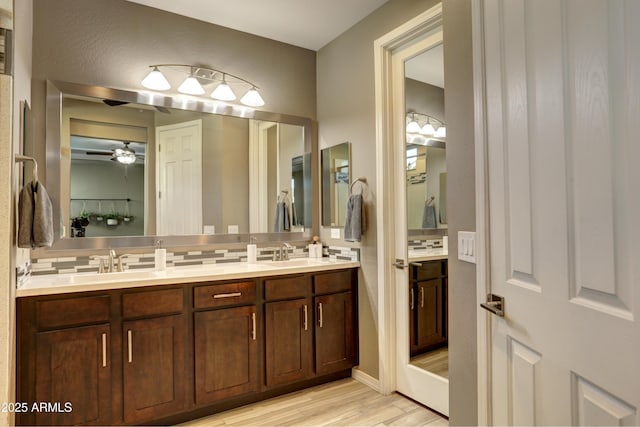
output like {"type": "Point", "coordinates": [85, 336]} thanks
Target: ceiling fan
{"type": "Point", "coordinates": [125, 154]}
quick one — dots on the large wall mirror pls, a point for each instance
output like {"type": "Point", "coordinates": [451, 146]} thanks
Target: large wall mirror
{"type": "Point", "coordinates": [123, 165]}
{"type": "Point", "coordinates": [336, 177]}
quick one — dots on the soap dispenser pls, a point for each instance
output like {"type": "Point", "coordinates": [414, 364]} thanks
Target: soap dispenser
{"type": "Point", "coordinates": [315, 248]}
{"type": "Point", "coordinates": [252, 251]}
{"type": "Point", "coordinates": [160, 257]}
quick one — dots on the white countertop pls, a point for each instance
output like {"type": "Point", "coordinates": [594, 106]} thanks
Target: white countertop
{"type": "Point", "coordinates": [83, 282]}
{"type": "Point", "coordinates": [427, 254]}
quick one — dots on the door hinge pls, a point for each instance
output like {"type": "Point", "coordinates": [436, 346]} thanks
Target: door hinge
{"type": "Point", "coordinates": [159, 194]}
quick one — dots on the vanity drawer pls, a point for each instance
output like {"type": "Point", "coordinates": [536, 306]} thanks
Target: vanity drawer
{"type": "Point", "coordinates": [150, 303]}
{"type": "Point", "coordinates": [224, 294]}
{"type": "Point", "coordinates": [430, 270]}
{"type": "Point", "coordinates": [286, 288]}
{"type": "Point", "coordinates": [72, 311]}
{"type": "Point", "coordinates": [333, 282]}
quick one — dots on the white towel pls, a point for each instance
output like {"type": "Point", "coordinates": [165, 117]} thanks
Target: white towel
{"type": "Point", "coordinates": [35, 216]}
{"type": "Point", "coordinates": [355, 224]}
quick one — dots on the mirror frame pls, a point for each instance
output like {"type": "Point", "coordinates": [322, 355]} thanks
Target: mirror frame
{"type": "Point", "coordinates": [53, 118]}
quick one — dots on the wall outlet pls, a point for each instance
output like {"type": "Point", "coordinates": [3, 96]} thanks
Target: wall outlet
{"type": "Point", "coordinates": [467, 246]}
{"type": "Point", "coordinates": [335, 233]}
{"type": "Point", "coordinates": [232, 229]}
{"type": "Point", "coordinates": [209, 229]}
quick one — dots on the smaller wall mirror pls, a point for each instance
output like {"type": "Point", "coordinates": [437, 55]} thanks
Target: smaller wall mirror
{"type": "Point", "coordinates": [336, 177]}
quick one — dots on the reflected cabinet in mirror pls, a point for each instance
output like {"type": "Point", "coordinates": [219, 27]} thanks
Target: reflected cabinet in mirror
{"type": "Point", "coordinates": [136, 164]}
{"type": "Point", "coordinates": [336, 178]}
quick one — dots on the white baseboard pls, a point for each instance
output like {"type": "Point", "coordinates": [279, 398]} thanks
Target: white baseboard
{"type": "Point", "coordinates": [366, 379]}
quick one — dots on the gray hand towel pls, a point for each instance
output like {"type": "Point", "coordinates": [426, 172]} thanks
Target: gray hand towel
{"type": "Point", "coordinates": [282, 222]}
{"type": "Point", "coordinates": [355, 224]}
{"type": "Point", "coordinates": [429, 217]}
{"type": "Point", "coordinates": [35, 214]}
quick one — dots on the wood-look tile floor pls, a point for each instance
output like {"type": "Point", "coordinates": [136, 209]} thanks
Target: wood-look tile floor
{"type": "Point", "coordinates": [436, 361]}
{"type": "Point", "coordinates": [340, 403]}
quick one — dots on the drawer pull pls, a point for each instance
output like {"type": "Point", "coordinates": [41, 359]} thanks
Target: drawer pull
{"type": "Point", "coordinates": [231, 295]}
{"type": "Point", "coordinates": [253, 326]}
{"type": "Point", "coordinates": [129, 345]}
{"type": "Point", "coordinates": [104, 350]}
{"type": "Point", "coordinates": [411, 298]}
{"type": "Point", "coordinates": [306, 324]}
{"type": "Point", "coordinates": [320, 319]}
{"type": "Point", "coordinates": [421, 297]}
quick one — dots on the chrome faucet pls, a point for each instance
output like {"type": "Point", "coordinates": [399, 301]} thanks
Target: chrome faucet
{"type": "Point", "coordinates": [284, 251]}
{"type": "Point", "coordinates": [112, 258]}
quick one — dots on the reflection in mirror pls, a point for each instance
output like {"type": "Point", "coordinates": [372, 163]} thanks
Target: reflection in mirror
{"type": "Point", "coordinates": [194, 170]}
{"type": "Point", "coordinates": [426, 210]}
{"type": "Point", "coordinates": [336, 178]}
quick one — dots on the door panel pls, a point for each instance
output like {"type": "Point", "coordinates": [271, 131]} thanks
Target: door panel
{"type": "Point", "coordinates": [562, 102]}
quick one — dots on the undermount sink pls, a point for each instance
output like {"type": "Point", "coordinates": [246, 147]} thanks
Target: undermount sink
{"type": "Point", "coordinates": [114, 277]}
{"type": "Point", "coordinates": [300, 262]}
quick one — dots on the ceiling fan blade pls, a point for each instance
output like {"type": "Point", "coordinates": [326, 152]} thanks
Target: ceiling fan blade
{"type": "Point", "coordinates": [114, 103]}
{"type": "Point", "coordinates": [98, 153]}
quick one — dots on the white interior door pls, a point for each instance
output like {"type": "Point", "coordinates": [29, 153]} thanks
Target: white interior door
{"type": "Point", "coordinates": [563, 143]}
{"type": "Point", "coordinates": [425, 387]}
{"type": "Point", "coordinates": [179, 178]}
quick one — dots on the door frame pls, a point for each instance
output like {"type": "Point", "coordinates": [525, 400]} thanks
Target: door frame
{"type": "Point", "coordinates": [483, 270]}
{"type": "Point", "coordinates": [387, 130]}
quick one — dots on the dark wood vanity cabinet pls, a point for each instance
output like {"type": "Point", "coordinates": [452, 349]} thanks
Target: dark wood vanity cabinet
{"type": "Point", "coordinates": [428, 305]}
{"type": "Point", "coordinates": [226, 341]}
{"type": "Point", "coordinates": [165, 354]}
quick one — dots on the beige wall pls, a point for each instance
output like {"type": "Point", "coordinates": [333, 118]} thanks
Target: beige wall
{"type": "Point", "coordinates": [458, 70]}
{"type": "Point", "coordinates": [346, 112]}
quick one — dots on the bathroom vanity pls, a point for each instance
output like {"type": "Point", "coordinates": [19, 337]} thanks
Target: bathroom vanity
{"type": "Point", "coordinates": [164, 347]}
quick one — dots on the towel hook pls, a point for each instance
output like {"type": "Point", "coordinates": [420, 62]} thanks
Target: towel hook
{"type": "Point", "coordinates": [362, 181]}
{"type": "Point", "coordinates": [21, 158]}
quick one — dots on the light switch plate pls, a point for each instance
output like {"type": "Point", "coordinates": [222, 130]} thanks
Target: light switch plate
{"type": "Point", "coordinates": [232, 229]}
{"type": "Point", "coordinates": [467, 246]}
{"type": "Point", "coordinates": [335, 233]}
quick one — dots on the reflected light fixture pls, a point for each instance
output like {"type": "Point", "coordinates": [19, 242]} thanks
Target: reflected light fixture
{"type": "Point", "coordinates": [125, 155]}
{"type": "Point", "coordinates": [424, 125]}
{"type": "Point", "coordinates": [197, 78]}
{"type": "Point", "coordinates": [413, 126]}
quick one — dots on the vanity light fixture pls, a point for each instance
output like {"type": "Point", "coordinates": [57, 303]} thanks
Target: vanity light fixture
{"type": "Point", "coordinates": [199, 77]}
{"type": "Point", "coordinates": [424, 125]}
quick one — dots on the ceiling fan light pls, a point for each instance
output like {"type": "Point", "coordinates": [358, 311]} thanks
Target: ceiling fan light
{"type": "Point", "coordinates": [126, 158]}
{"type": "Point", "coordinates": [155, 80]}
{"type": "Point", "coordinates": [191, 86]}
{"type": "Point", "coordinates": [252, 98]}
{"type": "Point", "coordinates": [223, 92]}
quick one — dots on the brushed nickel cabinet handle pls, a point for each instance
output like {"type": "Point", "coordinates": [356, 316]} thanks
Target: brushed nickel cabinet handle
{"type": "Point", "coordinates": [253, 326]}
{"type": "Point", "coordinates": [306, 324]}
{"type": "Point", "coordinates": [411, 298]}
{"type": "Point", "coordinates": [320, 319]}
{"type": "Point", "coordinates": [421, 297]}
{"type": "Point", "coordinates": [104, 350]}
{"type": "Point", "coordinates": [129, 345]}
{"type": "Point", "coordinates": [231, 295]}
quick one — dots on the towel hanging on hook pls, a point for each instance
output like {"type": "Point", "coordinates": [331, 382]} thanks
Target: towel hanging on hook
{"type": "Point", "coordinates": [362, 181]}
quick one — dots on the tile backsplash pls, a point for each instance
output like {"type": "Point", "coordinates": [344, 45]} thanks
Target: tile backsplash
{"type": "Point", "coordinates": [417, 244]}
{"type": "Point", "coordinates": [80, 264]}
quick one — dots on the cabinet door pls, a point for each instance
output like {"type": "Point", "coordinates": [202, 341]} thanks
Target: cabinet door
{"type": "Point", "coordinates": [335, 347]}
{"type": "Point", "coordinates": [430, 304]}
{"type": "Point", "coordinates": [154, 368]}
{"type": "Point", "coordinates": [288, 330]}
{"type": "Point", "coordinates": [226, 353]}
{"type": "Point", "coordinates": [73, 365]}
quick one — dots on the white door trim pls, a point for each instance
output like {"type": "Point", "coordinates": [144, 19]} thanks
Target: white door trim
{"type": "Point", "coordinates": [482, 219]}
{"type": "Point", "coordinates": [385, 210]}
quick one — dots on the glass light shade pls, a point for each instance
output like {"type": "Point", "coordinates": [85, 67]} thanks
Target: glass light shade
{"type": "Point", "coordinates": [252, 98]}
{"type": "Point", "coordinates": [155, 80]}
{"type": "Point", "coordinates": [191, 86]}
{"type": "Point", "coordinates": [223, 92]}
{"type": "Point", "coordinates": [126, 157]}
{"type": "Point", "coordinates": [441, 132]}
{"type": "Point", "coordinates": [427, 130]}
{"type": "Point", "coordinates": [413, 127]}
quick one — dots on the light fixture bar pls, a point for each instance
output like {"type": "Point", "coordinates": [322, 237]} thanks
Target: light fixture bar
{"type": "Point", "coordinates": [199, 76]}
